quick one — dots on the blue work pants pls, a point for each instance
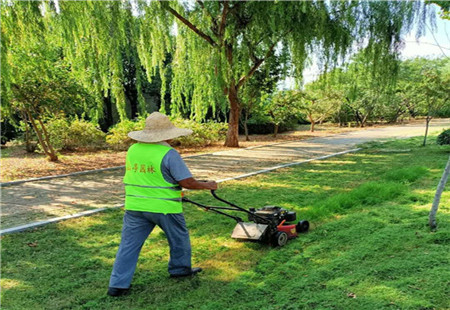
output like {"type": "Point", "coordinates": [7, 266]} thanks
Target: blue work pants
{"type": "Point", "coordinates": [137, 226]}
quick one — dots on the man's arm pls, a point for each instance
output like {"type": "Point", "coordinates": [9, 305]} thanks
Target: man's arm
{"type": "Point", "coordinates": [191, 183]}
{"type": "Point", "coordinates": [174, 170]}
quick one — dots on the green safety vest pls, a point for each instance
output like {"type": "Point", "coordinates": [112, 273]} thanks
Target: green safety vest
{"type": "Point", "coordinates": [145, 186]}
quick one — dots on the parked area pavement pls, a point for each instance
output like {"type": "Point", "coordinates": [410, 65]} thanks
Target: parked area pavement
{"type": "Point", "coordinates": [41, 200]}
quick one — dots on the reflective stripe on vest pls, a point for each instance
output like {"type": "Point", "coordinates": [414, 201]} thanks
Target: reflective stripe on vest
{"type": "Point", "coordinates": [145, 186]}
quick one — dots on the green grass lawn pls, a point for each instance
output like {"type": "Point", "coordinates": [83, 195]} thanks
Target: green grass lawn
{"type": "Point", "coordinates": [369, 246]}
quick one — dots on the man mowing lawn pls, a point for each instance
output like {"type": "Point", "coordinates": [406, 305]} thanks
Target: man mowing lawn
{"type": "Point", "coordinates": [154, 175]}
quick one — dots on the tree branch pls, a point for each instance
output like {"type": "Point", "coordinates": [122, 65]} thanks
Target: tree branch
{"type": "Point", "coordinates": [213, 20]}
{"type": "Point", "coordinates": [235, 6]}
{"type": "Point", "coordinates": [223, 20]}
{"type": "Point", "coordinates": [255, 67]}
{"type": "Point", "coordinates": [202, 5]}
{"type": "Point", "coordinates": [188, 23]}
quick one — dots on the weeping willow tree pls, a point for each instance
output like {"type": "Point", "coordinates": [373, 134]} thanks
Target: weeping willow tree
{"type": "Point", "coordinates": [96, 38]}
{"type": "Point", "coordinates": [216, 46]}
{"type": "Point", "coordinates": [36, 82]}
{"type": "Point", "coordinates": [224, 43]}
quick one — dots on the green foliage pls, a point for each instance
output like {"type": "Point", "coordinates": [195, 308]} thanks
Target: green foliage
{"type": "Point", "coordinates": [216, 46]}
{"type": "Point", "coordinates": [319, 102]}
{"type": "Point", "coordinates": [58, 129]}
{"type": "Point", "coordinates": [84, 134]}
{"type": "Point", "coordinates": [417, 87]}
{"type": "Point", "coordinates": [203, 133]}
{"type": "Point", "coordinates": [117, 137]}
{"type": "Point", "coordinates": [76, 134]}
{"type": "Point", "coordinates": [444, 7]}
{"type": "Point", "coordinates": [444, 137]}
{"type": "Point", "coordinates": [423, 86]}
{"type": "Point", "coordinates": [43, 85]}
{"type": "Point", "coordinates": [281, 107]}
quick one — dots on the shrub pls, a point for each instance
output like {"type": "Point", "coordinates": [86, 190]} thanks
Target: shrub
{"type": "Point", "coordinates": [117, 137]}
{"type": "Point", "coordinates": [203, 133]}
{"type": "Point", "coordinates": [84, 134]}
{"type": "Point", "coordinates": [444, 137]}
{"type": "Point", "coordinates": [262, 125]}
{"type": "Point", "coordinates": [73, 135]}
{"type": "Point", "coordinates": [57, 129]}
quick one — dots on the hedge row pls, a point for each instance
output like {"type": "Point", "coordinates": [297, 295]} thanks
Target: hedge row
{"type": "Point", "coordinates": [81, 134]}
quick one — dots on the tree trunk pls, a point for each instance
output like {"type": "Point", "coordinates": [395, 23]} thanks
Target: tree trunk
{"type": "Point", "coordinates": [29, 147]}
{"type": "Point", "coordinates": [358, 119]}
{"type": "Point", "coordinates": [428, 119]}
{"type": "Point", "coordinates": [245, 126]}
{"type": "Point", "coordinates": [363, 122]}
{"type": "Point", "coordinates": [232, 139]}
{"type": "Point", "coordinates": [38, 133]}
{"type": "Point", "coordinates": [312, 122]}
{"type": "Point", "coordinates": [52, 153]}
{"type": "Point", "coordinates": [437, 196]}
{"type": "Point", "coordinates": [45, 147]}
{"type": "Point", "coordinates": [275, 130]}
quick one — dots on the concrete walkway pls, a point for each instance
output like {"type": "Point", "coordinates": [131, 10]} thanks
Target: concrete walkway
{"type": "Point", "coordinates": [46, 199]}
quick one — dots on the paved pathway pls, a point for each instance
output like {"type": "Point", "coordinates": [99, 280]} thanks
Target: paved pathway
{"type": "Point", "coordinates": [45, 199]}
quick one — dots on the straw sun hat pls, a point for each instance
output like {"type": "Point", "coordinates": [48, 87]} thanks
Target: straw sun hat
{"type": "Point", "coordinates": [158, 128]}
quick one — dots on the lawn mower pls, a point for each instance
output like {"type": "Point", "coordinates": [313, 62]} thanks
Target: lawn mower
{"type": "Point", "coordinates": [268, 224]}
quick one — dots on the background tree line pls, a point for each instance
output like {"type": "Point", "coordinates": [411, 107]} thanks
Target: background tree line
{"type": "Point", "coordinates": [417, 87]}
{"type": "Point", "coordinates": [104, 62]}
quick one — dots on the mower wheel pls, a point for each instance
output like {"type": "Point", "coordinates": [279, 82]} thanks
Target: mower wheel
{"type": "Point", "coordinates": [302, 226]}
{"type": "Point", "coordinates": [280, 238]}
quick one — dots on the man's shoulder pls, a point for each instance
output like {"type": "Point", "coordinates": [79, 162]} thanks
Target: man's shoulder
{"type": "Point", "coordinates": [173, 154]}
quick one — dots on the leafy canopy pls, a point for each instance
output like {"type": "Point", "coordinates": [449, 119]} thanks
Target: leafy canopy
{"type": "Point", "coordinates": [214, 45]}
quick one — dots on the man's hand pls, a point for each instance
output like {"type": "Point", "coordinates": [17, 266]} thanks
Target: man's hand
{"type": "Point", "coordinates": [191, 183]}
{"type": "Point", "coordinates": [212, 185]}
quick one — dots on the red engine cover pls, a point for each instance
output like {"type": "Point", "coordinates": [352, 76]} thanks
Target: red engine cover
{"type": "Point", "coordinates": [289, 229]}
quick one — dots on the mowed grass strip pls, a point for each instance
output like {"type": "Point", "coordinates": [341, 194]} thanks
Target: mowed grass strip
{"type": "Point", "coordinates": [369, 246]}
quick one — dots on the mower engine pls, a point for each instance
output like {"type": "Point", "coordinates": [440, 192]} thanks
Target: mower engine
{"type": "Point", "coordinates": [270, 225]}
{"type": "Point", "coordinates": [273, 213]}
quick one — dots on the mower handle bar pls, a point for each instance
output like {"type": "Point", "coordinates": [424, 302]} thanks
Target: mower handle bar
{"type": "Point", "coordinates": [233, 208]}
{"type": "Point", "coordinates": [214, 209]}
